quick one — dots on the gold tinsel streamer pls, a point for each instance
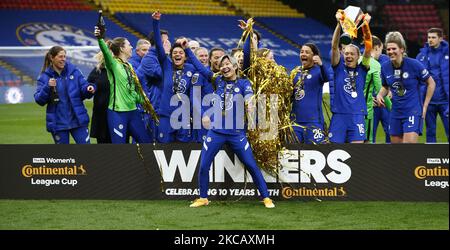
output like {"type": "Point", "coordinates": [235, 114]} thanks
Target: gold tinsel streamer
{"type": "Point", "coordinates": [268, 78]}
{"type": "Point", "coordinates": [147, 105]}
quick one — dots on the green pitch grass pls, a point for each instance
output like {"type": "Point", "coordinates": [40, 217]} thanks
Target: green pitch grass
{"type": "Point", "coordinates": [25, 124]}
{"type": "Point", "coordinates": [163, 215]}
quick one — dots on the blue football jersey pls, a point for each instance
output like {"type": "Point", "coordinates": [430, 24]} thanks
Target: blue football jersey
{"type": "Point", "coordinates": [349, 89]}
{"type": "Point", "coordinates": [404, 83]}
{"type": "Point", "coordinates": [231, 95]}
{"type": "Point", "coordinates": [307, 103]}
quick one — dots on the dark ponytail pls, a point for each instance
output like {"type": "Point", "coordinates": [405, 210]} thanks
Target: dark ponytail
{"type": "Point", "coordinates": [52, 52]}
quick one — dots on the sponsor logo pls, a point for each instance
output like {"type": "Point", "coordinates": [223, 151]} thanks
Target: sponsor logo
{"type": "Point", "coordinates": [398, 88]}
{"type": "Point", "coordinates": [432, 177]}
{"type": "Point", "coordinates": [299, 93]}
{"type": "Point", "coordinates": [348, 86]}
{"type": "Point", "coordinates": [289, 192]}
{"type": "Point", "coordinates": [438, 161]}
{"type": "Point", "coordinates": [29, 171]}
{"type": "Point", "coordinates": [38, 160]}
{"type": "Point", "coordinates": [181, 87]}
{"type": "Point", "coordinates": [422, 172]}
{"type": "Point", "coordinates": [45, 173]}
{"type": "Point", "coordinates": [54, 160]}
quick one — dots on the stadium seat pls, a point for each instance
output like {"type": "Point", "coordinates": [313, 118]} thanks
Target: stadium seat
{"type": "Point", "coordinates": [199, 7]}
{"type": "Point", "coordinates": [411, 19]}
{"type": "Point", "coordinates": [44, 5]}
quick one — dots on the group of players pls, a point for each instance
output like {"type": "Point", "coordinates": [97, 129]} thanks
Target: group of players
{"type": "Point", "coordinates": [137, 94]}
{"type": "Point", "coordinates": [362, 86]}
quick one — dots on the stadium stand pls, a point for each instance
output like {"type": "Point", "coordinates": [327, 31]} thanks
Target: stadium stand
{"type": "Point", "coordinates": [301, 31]}
{"type": "Point", "coordinates": [44, 5]}
{"type": "Point", "coordinates": [412, 20]}
{"type": "Point", "coordinates": [198, 7]}
{"type": "Point", "coordinates": [272, 8]}
{"type": "Point", "coordinates": [323, 14]}
{"type": "Point", "coordinates": [212, 31]}
{"type": "Point", "coordinates": [7, 77]}
{"type": "Point", "coordinates": [212, 23]}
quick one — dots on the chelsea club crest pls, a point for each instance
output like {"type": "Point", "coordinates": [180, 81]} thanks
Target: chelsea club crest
{"type": "Point", "coordinates": [52, 34]}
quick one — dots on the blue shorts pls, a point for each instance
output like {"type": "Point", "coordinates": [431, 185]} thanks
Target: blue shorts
{"type": "Point", "coordinates": [399, 126]}
{"type": "Point", "coordinates": [310, 132]}
{"type": "Point", "coordinates": [347, 128]}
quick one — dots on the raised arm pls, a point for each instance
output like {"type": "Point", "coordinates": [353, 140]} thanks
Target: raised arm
{"type": "Point", "coordinates": [367, 41]}
{"type": "Point", "coordinates": [246, 51]}
{"type": "Point", "coordinates": [335, 54]}
{"type": "Point", "coordinates": [109, 60]}
{"type": "Point", "coordinates": [104, 48]}
{"type": "Point", "coordinates": [158, 41]}
{"type": "Point", "coordinates": [204, 71]}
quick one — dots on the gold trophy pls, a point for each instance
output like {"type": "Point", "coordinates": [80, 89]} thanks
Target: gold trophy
{"type": "Point", "coordinates": [351, 21]}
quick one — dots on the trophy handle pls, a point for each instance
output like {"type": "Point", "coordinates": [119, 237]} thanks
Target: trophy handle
{"type": "Point", "coordinates": [360, 21]}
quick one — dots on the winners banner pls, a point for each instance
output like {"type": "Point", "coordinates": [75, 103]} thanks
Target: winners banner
{"type": "Point", "coordinates": [369, 172]}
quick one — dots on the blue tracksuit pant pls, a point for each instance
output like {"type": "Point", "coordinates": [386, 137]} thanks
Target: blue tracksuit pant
{"type": "Point", "coordinates": [167, 134]}
{"type": "Point", "coordinates": [241, 147]}
{"type": "Point", "coordinates": [381, 114]}
{"type": "Point", "coordinates": [430, 120]}
{"type": "Point", "coordinates": [129, 122]}
{"type": "Point", "coordinates": [80, 135]}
